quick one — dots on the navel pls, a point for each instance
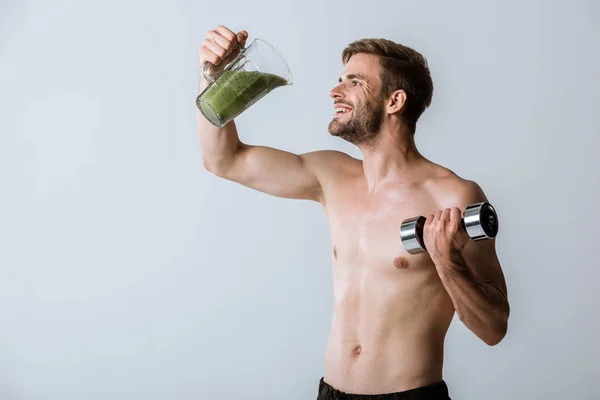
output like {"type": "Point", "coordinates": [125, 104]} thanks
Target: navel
{"type": "Point", "coordinates": [356, 350]}
{"type": "Point", "coordinates": [400, 262]}
{"type": "Point", "coordinates": [334, 252]}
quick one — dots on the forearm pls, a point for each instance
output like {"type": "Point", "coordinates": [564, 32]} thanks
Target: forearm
{"type": "Point", "coordinates": [480, 306]}
{"type": "Point", "coordinates": [218, 145]}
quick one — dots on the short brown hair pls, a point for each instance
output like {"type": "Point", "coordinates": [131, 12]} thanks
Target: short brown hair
{"type": "Point", "coordinates": [401, 68]}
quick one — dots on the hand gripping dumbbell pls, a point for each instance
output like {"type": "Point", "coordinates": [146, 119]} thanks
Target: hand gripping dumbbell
{"type": "Point", "coordinates": [480, 221]}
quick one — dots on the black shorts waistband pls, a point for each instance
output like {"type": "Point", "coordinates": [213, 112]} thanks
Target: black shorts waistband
{"type": "Point", "coordinates": [434, 391]}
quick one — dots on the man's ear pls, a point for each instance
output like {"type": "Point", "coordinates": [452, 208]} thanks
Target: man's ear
{"type": "Point", "coordinates": [396, 101]}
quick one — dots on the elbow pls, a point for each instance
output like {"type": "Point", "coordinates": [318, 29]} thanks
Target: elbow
{"type": "Point", "coordinates": [208, 165]}
{"type": "Point", "coordinates": [212, 167]}
{"type": "Point", "coordinates": [497, 334]}
{"type": "Point", "coordinates": [221, 163]}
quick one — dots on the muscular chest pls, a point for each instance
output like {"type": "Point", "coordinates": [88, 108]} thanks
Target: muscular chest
{"type": "Point", "coordinates": [365, 228]}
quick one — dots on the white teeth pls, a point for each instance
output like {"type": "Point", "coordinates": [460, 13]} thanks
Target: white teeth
{"type": "Point", "coordinates": [338, 110]}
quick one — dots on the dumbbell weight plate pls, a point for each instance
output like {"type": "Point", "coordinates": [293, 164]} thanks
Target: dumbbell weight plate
{"type": "Point", "coordinates": [481, 221]}
{"type": "Point", "coordinates": [411, 235]}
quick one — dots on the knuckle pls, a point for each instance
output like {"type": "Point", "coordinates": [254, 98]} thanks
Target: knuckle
{"type": "Point", "coordinates": [225, 31]}
{"type": "Point", "coordinates": [205, 55]}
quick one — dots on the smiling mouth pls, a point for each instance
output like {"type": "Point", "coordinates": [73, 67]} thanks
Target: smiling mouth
{"type": "Point", "coordinates": [342, 112]}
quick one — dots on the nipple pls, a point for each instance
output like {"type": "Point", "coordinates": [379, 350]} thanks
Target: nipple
{"type": "Point", "coordinates": [400, 262]}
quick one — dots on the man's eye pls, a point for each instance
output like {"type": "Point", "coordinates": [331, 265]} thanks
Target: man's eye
{"type": "Point", "coordinates": [353, 82]}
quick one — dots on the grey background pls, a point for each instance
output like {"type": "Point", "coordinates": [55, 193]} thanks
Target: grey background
{"type": "Point", "coordinates": [127, 271]}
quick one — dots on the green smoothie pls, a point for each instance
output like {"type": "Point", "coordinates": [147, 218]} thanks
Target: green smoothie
{"type": "Point", "coordinates": [235, 91]}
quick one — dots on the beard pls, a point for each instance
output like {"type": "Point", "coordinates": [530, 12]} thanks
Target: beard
{"type": "Point", "coordinates": [363, 127]}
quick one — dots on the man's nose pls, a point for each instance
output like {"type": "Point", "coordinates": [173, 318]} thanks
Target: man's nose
{"type": "Point", "coordinates": [336, 92]}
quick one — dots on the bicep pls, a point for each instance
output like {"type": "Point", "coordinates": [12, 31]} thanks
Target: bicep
{"type": "Point", "coordinates": [277, 172]}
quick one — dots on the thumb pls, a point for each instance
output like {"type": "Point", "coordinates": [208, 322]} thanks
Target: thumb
{"type": "Point", "coordinates": [241, 37]}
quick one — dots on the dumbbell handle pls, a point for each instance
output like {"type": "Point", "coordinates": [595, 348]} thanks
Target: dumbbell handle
{"type": "Point", "coordinates": [480, 221]}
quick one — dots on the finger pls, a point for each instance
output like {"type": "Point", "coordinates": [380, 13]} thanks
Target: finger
{"type": "Point", "coordinates": [438, 215]}
{"type": "Point", "coordinates": [225, 43]}
{"type": "Point", "coordinates": [242, 36]}
{"type": "Point", "coordinates": [455, 214]}
{"type": "Point", "coordinates": [445, 215]}
{"type": "Point", "coordinates": [212, 52]}
{"type": "Point", "coordinates": [226, 33]}
{"type": "Point", "coordinates": [429, 220]}
{"type": "Point", "coordinates": [427, 228]}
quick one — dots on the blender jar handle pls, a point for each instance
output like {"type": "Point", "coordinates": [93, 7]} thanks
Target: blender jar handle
{"type": "Point", "coordinates": [206, 74]}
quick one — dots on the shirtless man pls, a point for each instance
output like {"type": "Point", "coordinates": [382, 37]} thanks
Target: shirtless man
{"type": "Point", "coordinates": [391, 309]}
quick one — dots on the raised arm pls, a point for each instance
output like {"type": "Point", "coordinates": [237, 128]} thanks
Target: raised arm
{"type": "Point", "coordinates": [274, 172]}
{"type": "Point", "coordinates": [269, 170]}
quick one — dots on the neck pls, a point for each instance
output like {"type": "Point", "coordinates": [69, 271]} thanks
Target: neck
{"type": "Point", "coordinates": [392, 158]}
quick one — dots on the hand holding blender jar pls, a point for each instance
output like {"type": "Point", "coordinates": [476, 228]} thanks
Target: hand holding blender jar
{"type": "Point", "coordinates": [236, 77]}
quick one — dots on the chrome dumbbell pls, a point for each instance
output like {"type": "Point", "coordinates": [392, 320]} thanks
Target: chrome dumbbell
{"type": "Point", "coordinates": [480, 221]}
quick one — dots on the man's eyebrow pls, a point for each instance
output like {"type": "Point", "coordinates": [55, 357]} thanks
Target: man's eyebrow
{"type": "Point", "coordinates": [352, 76]}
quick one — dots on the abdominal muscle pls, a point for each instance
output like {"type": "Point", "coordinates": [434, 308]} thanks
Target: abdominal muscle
{"type": "Point", "coordinates": [388, 327]}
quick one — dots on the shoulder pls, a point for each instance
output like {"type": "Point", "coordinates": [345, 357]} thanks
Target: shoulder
{"type": "Point", "coordinates": [336, 171]}
{"type": "Point", "coordinates": [451, 190]}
